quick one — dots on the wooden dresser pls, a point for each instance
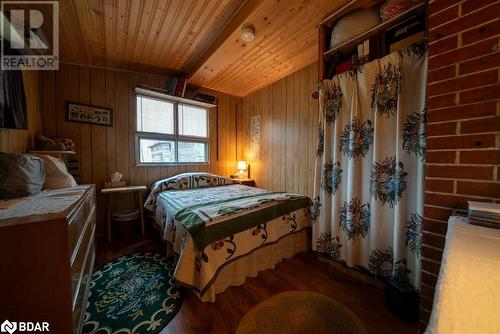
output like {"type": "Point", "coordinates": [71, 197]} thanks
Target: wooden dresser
{"type": "Point", "coordinates": [46, 264]}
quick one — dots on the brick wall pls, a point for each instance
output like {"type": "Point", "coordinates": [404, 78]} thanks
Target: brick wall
{"type": "Point", "coordinates": [463, 121]}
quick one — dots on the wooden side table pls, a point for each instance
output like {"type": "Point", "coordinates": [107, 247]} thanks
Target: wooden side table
{"type": "Point", "coordinates": [122, 190]}
{"type": "Point", "coordinates": [246, 182]}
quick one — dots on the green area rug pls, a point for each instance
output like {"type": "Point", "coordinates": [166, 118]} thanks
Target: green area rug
{"type": "Point", "coordinates": [300, 312]}
{"type": "Point", "coordinates": [132, 294]}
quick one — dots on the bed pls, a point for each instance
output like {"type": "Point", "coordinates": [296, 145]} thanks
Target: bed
{"type": "Point", "coordinates": [223, 232]}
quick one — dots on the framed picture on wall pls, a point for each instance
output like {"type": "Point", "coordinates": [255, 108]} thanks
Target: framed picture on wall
{"type": "Point", "coordinates": [77, 112]}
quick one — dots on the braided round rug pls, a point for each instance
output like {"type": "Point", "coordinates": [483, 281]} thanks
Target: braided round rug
{"type": "Point", "coordinates": [135, 293]}
{"type": "Point", "coordinates": [300, 312]}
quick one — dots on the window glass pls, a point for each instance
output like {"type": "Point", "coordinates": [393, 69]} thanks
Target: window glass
{"type": "Point", "coordinates": [155, 115]}
{"type": "Point", "coordinates": [193, 121]}
{"type": "Point", "coordinates": [192, 152]}
{"type": "Point", "coordinates": [156, 151]}
{"type": "Point", "coordinates": [160, 139]}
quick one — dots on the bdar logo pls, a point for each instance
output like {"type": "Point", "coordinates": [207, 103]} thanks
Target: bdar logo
{"type": "Point", "coordinates": [8, 327]}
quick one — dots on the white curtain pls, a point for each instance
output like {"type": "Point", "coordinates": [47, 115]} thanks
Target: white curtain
{"type": "Point", "coordinates": [369, 173]}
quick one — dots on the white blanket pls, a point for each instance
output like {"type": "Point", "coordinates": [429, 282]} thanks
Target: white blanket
{"type": "Point", "coordinates": [467, 298]}
{"type": "Point", "coordinates": [48, 201]}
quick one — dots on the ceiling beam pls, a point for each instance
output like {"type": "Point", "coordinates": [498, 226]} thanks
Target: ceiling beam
{"type": "Point", "coordinates": [233, 23]}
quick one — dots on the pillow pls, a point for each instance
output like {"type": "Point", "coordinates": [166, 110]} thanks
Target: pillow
{"type": "Point", "coordinates": [47, 144]}
{"type": "Point", "coordinates": [354, 24]}
{"type": "Point", "coordinates": [185, 181]}
{"type": "Point", "coordinates": [69, 144]}
{"type": "Point", "coordinates": [56, 174]}
{"type": "Point", "coordinates": [21, 175]}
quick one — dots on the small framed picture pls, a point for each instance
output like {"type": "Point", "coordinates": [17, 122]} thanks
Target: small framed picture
{"type": "Point", "coordinates": [77, 112]}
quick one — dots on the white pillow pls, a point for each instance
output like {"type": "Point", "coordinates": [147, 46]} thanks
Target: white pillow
{"type": "Point", "coordinates": [354, 24]}
{"type": "Point", "coordinates": [56, 174]}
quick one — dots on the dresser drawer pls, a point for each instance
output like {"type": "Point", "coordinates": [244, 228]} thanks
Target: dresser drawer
{"type": "Point", "coordinates": [83, 251]}
{"type": "Point", "coordinates": [78, 218]}
{"type": "Point", "coordinates": [80, 301]}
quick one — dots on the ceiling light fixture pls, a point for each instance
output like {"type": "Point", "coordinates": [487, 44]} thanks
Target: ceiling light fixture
{"type": "Point", "coordinates": [248, 33]}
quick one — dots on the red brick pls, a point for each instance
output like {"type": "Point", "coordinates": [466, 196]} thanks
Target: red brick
{"type": "Point", "coordinates": [463, 82]}
{"type": "Point", "coordinates": [439, 129]}
{"type": "Point", "coordinates": [490, 124]}
{"type": "Point", "coordinates": [443, 17]}
{"type": "Point", "coordinates": [437, 213]}
{"type": "Point", "coordinates": [483, 189]}
{"type": "Point", "coordinates": [422, 325]}
{"type": "Point", "coordinates": [443, 45]}
{"type": "Point", "coordinates": [437, 185]}
{"type": "Point", "coordinates": [429, 279]}
{"type": "Point", "coordinates": [461, 142]}
{"type": "Point", "coordinates": [464, 23]}
{"type": "Point", "coordinates": [462, 112]}
{"type": "Point", "coordinates": [481, 32]}
{"type": "Point", "coordinates": [480, 157]}
{"type": "Point", "coordinates": [432, 253]}
{"type": "Point", "coordinates": [478, 28]}
{"type": "Point", "coordinates": [460, 172]}
{"type": "Point", "coordinates": [441, 73]}
{"type": "Point", "coordinates": [424, 317]}
{"type": "Point", "coordinates": [435, 227]}
{"type": "Point", "coordinates": [439, 5]}
{"type": "Point", "coordinates": [426, 303]}
{"type": "Point", "coordinates": [485, 93]}
{"type": "Point", "coordinates": [491, 60]}
{"type": "Point", "coordinates": [470, 5]}
{"type": "Point", "coordinates": [432, 240]}
{"type": "Point", "coordinates": [464, 53]}
{"type": "Point", "coordinates": [431, 266]}
{"type": "Point", "coordinates": [426, 290]}
{"type": "Point", "coordinates": [440, 157]}
{"type": "Point", "coordinates": [448, 201]}
{"type": "Point", "coordinates": [441, 101]}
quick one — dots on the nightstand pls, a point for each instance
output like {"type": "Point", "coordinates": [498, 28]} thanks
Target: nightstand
{"type": "Point", "coordinates": [121, 190]}
{"type": "Point", "coordinates": [246, 182]}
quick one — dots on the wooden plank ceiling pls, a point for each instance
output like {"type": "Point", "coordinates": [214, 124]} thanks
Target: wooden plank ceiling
{"type": "Point", "coordinates": [199, 39]}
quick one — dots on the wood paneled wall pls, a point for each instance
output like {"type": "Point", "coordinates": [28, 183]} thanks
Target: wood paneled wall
{"type": "Point", "coordinates": [103, 150]}
{"type": "Point", "coordinates": [19, 141]}
{"type": "Point", "coordinates": [288, 132]}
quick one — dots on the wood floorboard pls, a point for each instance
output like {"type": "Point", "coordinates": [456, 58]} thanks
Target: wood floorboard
{"type": "Point", "coordinates": [302, 272]}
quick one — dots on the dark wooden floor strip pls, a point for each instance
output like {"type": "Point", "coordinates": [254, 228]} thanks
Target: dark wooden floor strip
{"type": "Point", "coordinates": [302, 272]}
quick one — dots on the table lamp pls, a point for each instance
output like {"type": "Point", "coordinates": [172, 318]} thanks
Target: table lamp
{"type": "Point", "coordinates": [241, 167]}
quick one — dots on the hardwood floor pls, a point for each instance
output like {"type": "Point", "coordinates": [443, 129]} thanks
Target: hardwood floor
{"type": "Point", "coordinates": [302, 272]}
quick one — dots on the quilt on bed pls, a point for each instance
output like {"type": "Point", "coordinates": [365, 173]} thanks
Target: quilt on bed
{"type": "Point", "coordinates": [211, 227]}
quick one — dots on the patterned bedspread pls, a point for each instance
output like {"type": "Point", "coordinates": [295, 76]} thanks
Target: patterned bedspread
{"type": "Point", "coordinates": [211, 227]}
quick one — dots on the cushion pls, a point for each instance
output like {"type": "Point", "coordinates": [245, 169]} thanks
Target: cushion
{"type": "Point", "coordinates": [354, 24]}
{"type": "Point", "coordinates": [56, 173]}
{"type": "Point", "coordinates": [69, 144]}
{"type": "Point", "coordinates": [21, 175]}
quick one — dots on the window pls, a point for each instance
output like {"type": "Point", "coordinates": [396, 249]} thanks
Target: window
{"type": "Point", "coordinates": [170, 132]}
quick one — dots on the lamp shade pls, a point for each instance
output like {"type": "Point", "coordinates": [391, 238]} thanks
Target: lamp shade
{"type": "Point", "coordinates": [242, 165]}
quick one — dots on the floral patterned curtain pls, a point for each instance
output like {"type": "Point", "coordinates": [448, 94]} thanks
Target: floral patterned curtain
{"type": "Point", "coordinates": [369, 177]}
